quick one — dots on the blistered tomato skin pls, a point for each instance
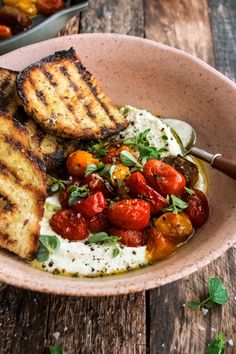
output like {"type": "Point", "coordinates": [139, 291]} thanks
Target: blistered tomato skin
{"type": "Point", "coordinates": [198, 209]}
{"type": "Point", "coordinates": [96, 184]}
{"type": "Point", "coordinates": [69, 224]}
{"type": "Point", "coordinates": [130, 238]}
{"type": "Point", "coordinates": [99, 222]}
{"type": "Point", "coordinates": [164, 178]}
{"type": "Point", "coordinates": [158, 246]}
{"type": "Point", "coordinates": [91, 206]}
{"type": "Point", "coordinates": [78, 161]}
{"type": "Point", "coordinates": [129, 214]}
{"type": "Point", "coordinates": [113, 154]}
{"type": "Point", "coordinates": [48, 7]}
{"type": "Point", "coordinates": [175, 227]}
{"type": "Point", "coordinates": [138, 187]}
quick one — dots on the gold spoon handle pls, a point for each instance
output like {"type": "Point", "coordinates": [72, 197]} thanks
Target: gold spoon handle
{"type": "Point", "coordinates": [217, 161]}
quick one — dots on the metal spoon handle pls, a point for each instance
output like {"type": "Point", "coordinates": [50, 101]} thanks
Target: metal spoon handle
{"type": "Point", "coordinates": [217, 161]}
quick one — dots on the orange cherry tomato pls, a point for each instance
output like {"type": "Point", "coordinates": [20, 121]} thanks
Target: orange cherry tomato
{"type": "Point", "coordinates": [164, 178]}
{"type": "Point", "coordinates": [78, 161]}
{"type": "Point", "coordinates": [69, 224]}
{"type": "Point", "coordinates": [198, 208]}
{"type": "Point", "coordinates": [5, 32]}
{"type": "Point", "coordinates": [158, 246]}
{"type": "Point", "coordinates": [130, 214]}
{"type": "Point", "coordinates": [130, 238]}
{"type": "Point", "coordinates": [48, 7]}
{"type": "Point", "coordinates": [91, 206]}
{"type": "Point", "coordinates": [138, 187]}
{"type": "Point", "coordinates": [120, 173]}
{"type": "Point", "coordinates": [176, 227]}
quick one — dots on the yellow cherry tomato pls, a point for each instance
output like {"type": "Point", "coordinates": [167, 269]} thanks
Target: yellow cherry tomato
{"type": "Point", "coordinates": [78, 161]}
{"type": "Point", "coordinates": [10, 2]}
{"type": "Point", "coordinates": [120, 173]}
{"type": "Point", "coordinates": [175, 227]}
{"type": "Point", "coordinates": [28, 7]}
{"type": "Point", "coordinates": [158, 246]}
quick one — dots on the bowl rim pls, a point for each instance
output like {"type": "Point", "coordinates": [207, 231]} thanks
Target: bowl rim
{"type": "Point", "coordinates": [116, 285]}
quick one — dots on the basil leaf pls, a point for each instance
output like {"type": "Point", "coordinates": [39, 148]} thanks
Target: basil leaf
{"type": "Point", "coordinates": [127, 159]}
{"type": "Point", "coordinates": [189, 190]}
{"type": "Point", "coordinates": [115, 252]}
{"type": "Point", "coordinates": [217, 291]}
{"type": "Point", "coordinates": [90, 169]}
{"type": "Point", "coordinates": [47, 244]}
{"type": "Point", "coordinates": [217, 346]}
{"type": "Point", "coordinates": [56, 350]}
{"type": "Point", "coordinates": [102, 237]}
{"type": "Point", "coordinates": [77, 193]}
{"type": "Point", "coordinates": [195, 305]}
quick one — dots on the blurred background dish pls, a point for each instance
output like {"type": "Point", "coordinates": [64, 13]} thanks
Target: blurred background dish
{"type": "Point", "coordinates": [42, 26]}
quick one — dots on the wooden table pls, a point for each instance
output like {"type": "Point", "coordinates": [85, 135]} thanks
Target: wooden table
{"type": "Point", "coordinates": [154, 321]}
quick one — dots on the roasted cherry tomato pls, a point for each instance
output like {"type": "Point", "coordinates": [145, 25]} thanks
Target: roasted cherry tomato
{"type": "Point", "coordinates": [129, 214]}
{"type": "Point", "coordinates": [130, 238]}
{"type": "Point", "coordinates": [28, 7]}
{"type": "Point", "coordinates": [138, 187]}
{"type": "Point", "coordinates": [64, 197]}
{"type": "Point", "coordinates": [69, 224]}
{"type": "Point", "coordinates": [97, 184]}
{"type": "Point", "coordinates": [113, 154]}
{"type": "Point", "coordinates": [5, 32]}
{"type": "Point", "coordinates": [158, 246]}
{"type": "Point", "coordinates": [91, 206]}
{"type": "Point", "coordinates": [120, 174]}
{"type": "Point", "coordinates": [176, 227]}
{"type": "Point", "coordinates": [99, 222]}
{"type": "Point", "coordinates": [48, 7]}
{"type": "Point", "coordinates": [198, 209]}
{"type": "Point", "coordinates": [164, 178]}
{"type": "Point", "coordinates": [78, 161]}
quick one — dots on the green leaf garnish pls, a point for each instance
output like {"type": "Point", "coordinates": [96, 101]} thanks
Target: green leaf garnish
{"type": "Point", "coordinates": [102, 238]}
{"type": "Point", "coordinates": [77, 192]}
{"type": "Point", "coordinates": [58, 184]}
{"type": "Point", "coordinates": [217, 346]}
{"type": "Point", "coordinates": [127, 159]}
{"type": "Point", "coordinates": [143, 146]}
{"type": "Point", "coordinates": [177, 205]}
{"type": "Point", "coordinates": [56, 350]}
{"type": "Point", "coordinates": [164, 137]}
{"type": "Point", "coordinates": [93, 167]}
{"type": "Point", "coordinates": [107, 171]}
{"type": "Point", "coordinates": [99, 149]}
{"type": "Point", "coordinates": [189, 190]}
{"type": "Point", "coordinates": [218, 294]}
{"type": "Point", "coordinates": [47, 245]}
{"type": "Point", "coordinates": [125, 112]}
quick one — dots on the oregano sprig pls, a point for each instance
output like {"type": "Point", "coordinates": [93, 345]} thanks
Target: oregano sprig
{"type": "Point", "coordinates": [58, 184]}
{"type": "Point", "coordinates": [102, 238]}
{"type": "Point", "coordinates": [47, 245]}
{"type": "Point", "coordinates": [176, 206]}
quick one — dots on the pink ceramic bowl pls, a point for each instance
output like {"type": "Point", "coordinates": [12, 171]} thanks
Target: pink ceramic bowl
{"type": "Point", "coordinates": [171, 83]}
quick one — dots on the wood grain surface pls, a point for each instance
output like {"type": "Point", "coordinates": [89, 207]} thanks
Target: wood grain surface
{"type": "Point", "coordinates": [155, 321]}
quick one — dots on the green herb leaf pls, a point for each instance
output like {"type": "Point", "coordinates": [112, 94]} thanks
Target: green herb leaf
{"type": "Point", "coordinates": [195, 305]}
{"type": "Point", "coordinates": [177, 205]}
{"type": "Point", "coordinates": [107, 171]}
{"type": "Point", "coordinates": [56, 350]}
{"type": "Point", "coordinates": [217, 346]}
{"type": "Point", "coordinates": [189, 190]}
{"type": "Point", "coordinates": [164, 137]}
{"type": "Point", "coordinates": [217, 291]}
{"type": "Point", "coordinates": [58, 184]}
{"type": "Point", "coordinates": [125, 112]}
{"type": "Point", "coordinates": [77, 192]}
{"type": "Point", "coordinates": [47, 245]}
{"type": "Point", "coordinates": [102, 238]}
{"type": "Point", "coordinates": [90, 169]}
{"type": "Point", "coordinates": [127, 159]}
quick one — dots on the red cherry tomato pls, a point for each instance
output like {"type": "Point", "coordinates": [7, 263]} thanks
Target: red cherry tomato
{"type": "Point", "coordinates": [99, 223]}
{"type": "Point", "coordinates": [64, 197]}
{"type": "Point", "coordinates": [69, 224]}
{"type": "Point", "coordinates": [164, 178]}
{"type": "Point", "coordinates": [97, 184]}
{"type": "Point", "coordinates": [113, 154]}
{"type": "Point", "coordinates": [91, 206]}
{"type": "Point", "coordinates": [130, 214]}
{"type": "Point", "coordinates": [48, 7]}
{"type": "Point", "coordinates": [198, 209]}
{"type": "Point", "coordinates": [130, 238]}
{"type": "Point", "coordinates": [138, 187]}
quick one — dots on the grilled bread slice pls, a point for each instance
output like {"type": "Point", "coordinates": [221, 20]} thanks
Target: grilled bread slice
{"type": "Point", "coordinates": [54, 149]}
{"type": "Point", "coordinates": [66, 100]}
{"type": "Point", "coordinates": [22, 189]}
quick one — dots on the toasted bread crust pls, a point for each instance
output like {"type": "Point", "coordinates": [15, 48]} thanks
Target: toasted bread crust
{"type": "Point", "coordinates": [65, 99]}
{"type": "Point", "coordinates": [22, 189]}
